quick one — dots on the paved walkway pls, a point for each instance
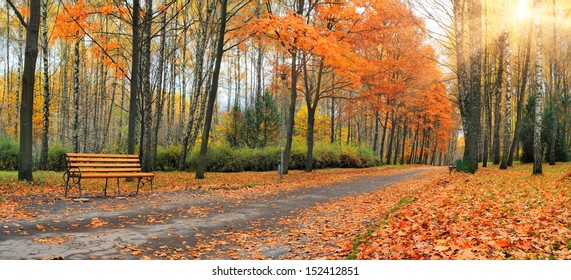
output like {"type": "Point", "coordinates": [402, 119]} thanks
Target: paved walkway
{"type": "Point", "coordinates": [77, 236]}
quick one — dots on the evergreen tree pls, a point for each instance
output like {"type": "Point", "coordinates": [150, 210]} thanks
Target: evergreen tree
{"type": "Point", "coordinates": [526, 131]}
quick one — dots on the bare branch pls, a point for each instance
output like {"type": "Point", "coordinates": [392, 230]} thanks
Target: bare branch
{"type": "Point", "coordinates": [18, 14]}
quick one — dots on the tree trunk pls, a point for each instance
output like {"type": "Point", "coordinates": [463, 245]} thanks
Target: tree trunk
{"type": "Point", "coordinates": [197, 83]}
{"type": "Point", "coordinates": [291, 116]}
{"type": "Point", "coordinates": [46, 120]}
{"type": "Point", "coordinates": [470, 95]}
{"type": "Point", "coordinates": [397, 146]}
{"type": "Point", "coordinates": [382, 147]}
{"type": "Point", "coordinates": [521, 93]}
{"type": "Point", "coordinates": [312, 97]}
{"type": "Point", "coordinates": [404, 133]}
{"type": "Point", "coordinates": [161, 88]}
{"type": "Point", "coordinates": [487, 107]}
{"type": "Point", "coordinates": [332, 124]}
{"type": "Point", "coordinates": [310, 142]}
{"type": "Point", "coordinates": [422, 145]}
{"type": "Point", "coordinates": [25, 166]}
{"type": "Point", "coordinates": [554, 87]}
{"type": "Point", "coordinates": [184, 62]}
{"type": "Point", "coordinates": [508, 105]}
{"type": "Point", "coordinates": [75, 125]}
{"type": "Point", "coordinates": [498, 98]}
{"type": "Point", "coordinates": [414, 145]}
{"type": "Point", "coordinates": [432, 161]}
{"type": "Point", "coordinates": [537, 149]}
{"type": "Point", "coordinates": [391, 137]}
{"type": "Point", "coordinates": [293, 96]}
{"type": "Point", "coordinates": [376, 137]}
{"type": "Point", "coordinates": [201, 164]}
{"type": "Point", "coordinates": [147, 93]}
{"type": "Point", "coordinates": [8, 87]}
{"type": "Point", "coordinates": [64, 104]}
{"type": "Point", "coordinates": [18, 91]}
{"type": "Point", "coordinates": [134, 95]}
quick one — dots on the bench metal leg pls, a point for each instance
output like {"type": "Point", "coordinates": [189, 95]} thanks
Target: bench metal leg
{"type": "Point", "coordinates": [138, 185]}
{"type": "Point", "coordinates": [105, 190]}
{"type": "Point", "coordinates": [143, 183]}
{"type": "Point", "coordinates": [66, 187]}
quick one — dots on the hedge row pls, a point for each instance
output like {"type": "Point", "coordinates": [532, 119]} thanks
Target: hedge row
{"type": "Point", "coordinates": [9, 155]}
{"type": "Point", "coordinates": [221, 158]}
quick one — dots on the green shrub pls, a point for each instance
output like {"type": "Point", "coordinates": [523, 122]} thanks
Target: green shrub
{"type": "Point", "coordinates": [222, 158]}
{"type": "Point", "coordinates": [297, 157]}
{"type": "Point", "coordinates": [326, 156]}
{"type": "Point", "coordinates": [9, 154]}
{"type": "Point", "coordinates": [55, 161]}
{"type": "Point", "coordinates": [367, 157]}
{"type": "Point", "coordinates": [349, 159]}
{"type": "Point", "coordinates": [219, 158]}
{"type": "Point", "coordinates": [262, 159]}
{"type": "Point", "coordinates": [167, 157]}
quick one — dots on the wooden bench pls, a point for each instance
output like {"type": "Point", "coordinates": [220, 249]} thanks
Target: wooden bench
{"type": "Point", "coordinates": [451, 168]}
{"type": "Point", "coordinates": [103, 166]}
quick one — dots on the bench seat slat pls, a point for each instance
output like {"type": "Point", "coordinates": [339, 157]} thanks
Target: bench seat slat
{"type": "Point", "coordinates": [116, 175]}
{"type": "Point", "coordinates": [93, 159]}
{"type": "Point", "coordinates": [75, 155]}
{"type": "Point", "coordinates": [109, 170]}
{"type": "Point", "coordinates": [105, 165]}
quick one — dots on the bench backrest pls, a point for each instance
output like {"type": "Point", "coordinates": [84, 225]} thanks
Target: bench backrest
{"type": "Point", "coordinates": [102, 163]}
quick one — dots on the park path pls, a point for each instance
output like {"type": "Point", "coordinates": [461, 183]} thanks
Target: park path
{"type": "Point", "coordinates": [130, 234]}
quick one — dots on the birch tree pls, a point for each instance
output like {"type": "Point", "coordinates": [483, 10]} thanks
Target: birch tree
{"type": "Point", "coordinates": [509, 89]}
{"type": "Point", "coordinates": [537, 147]}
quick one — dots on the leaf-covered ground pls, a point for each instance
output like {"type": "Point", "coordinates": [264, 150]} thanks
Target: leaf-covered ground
{"type": "Point", "coordinates": [490, 215]}
{"type": "Point", "coordinates": [20, 200]}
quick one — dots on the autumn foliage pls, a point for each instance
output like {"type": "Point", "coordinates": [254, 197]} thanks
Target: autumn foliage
{"type": "Point", "coordinates": [492, 215]}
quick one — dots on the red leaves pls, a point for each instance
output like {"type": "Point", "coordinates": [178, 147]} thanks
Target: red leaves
{"type": "Point", "coordinates": [494, 214]}
{"type": "Point", "coordinates": [71, 22]}
{"type": "Point", "coordinates": [502, 244]}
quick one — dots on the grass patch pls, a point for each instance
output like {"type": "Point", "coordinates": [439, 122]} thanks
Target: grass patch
{"type": "Point", "coordinates": [406, 201]}
{"type": "Point", "coordinates": [358, 240]}
{"type": "Point", "coordinates": [8, 175]}
{"type": "Point", "coordinates": [232, 188]}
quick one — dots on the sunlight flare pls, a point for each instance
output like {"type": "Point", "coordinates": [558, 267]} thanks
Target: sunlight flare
{"type": "Point", "coordinates": [523, 10]}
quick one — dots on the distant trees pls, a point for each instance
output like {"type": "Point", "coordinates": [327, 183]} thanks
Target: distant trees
{"type": "Point", "coordinates": [520, 59]}
{"type": "Point", "coordinates": [158, 77]}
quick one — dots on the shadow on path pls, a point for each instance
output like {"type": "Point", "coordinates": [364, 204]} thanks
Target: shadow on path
{"type": "Point", "coordinates": [128, 234]}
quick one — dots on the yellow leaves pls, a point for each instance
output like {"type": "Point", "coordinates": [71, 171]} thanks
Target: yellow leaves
{"type": "Point", "coordinates": [321, 127]}
{"type": "Point", "coordinates": [133, 250]}
{"type": "Point", "coordinates": [96, 222]}
{"type": "Point", "coordinates": [55, 240]}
